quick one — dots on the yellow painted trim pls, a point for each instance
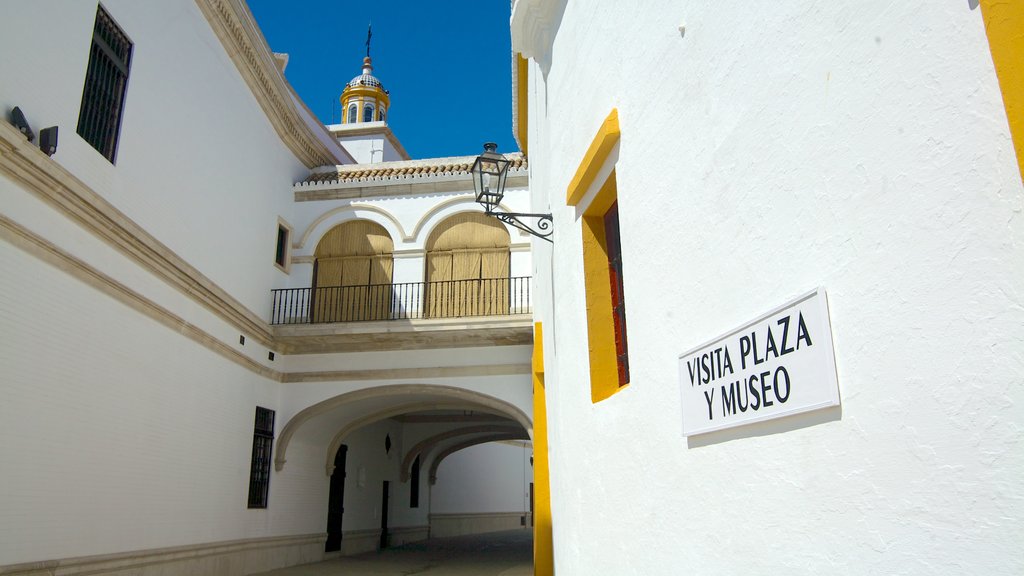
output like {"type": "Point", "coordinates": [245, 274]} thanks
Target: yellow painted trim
{"type": "Point", "coordinates": [604, 372]}
{"type": "Point", "coordinates": [606, 138]}
{"type": "Point", "coordinates": [522, 110]}
{"type": "Point", "coordinates": [543, 546]}
{"type": "Point", "coordinates": [1004, 24]}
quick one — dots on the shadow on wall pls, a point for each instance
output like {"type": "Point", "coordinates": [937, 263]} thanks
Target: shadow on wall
{"type": "Point", "coordinates": [767, 428]}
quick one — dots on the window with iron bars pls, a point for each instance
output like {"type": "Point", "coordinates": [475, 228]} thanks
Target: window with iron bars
{"type": "Point", "coordinates": [262, 446]}
{"type": "Point", "coordinates": [106, 80]}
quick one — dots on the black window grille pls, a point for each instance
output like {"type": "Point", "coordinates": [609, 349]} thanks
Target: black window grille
{"type": "Point", "coordinates": [106, 80]}
{"type": "Point", "coordinates": [262, 445]}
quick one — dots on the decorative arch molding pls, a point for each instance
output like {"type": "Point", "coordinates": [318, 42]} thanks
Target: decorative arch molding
{"type": "Point", "coordinates": [386, 219]}
{"type": "Point", "coordinates": [428, 444]}
{"type": "Point", "coordinates": [448, 397]}
{"type": "Point", "coordinates": [440, 212]}
{"type": "Point", "coordinates": [379, 415]}
{"type": "Point", "coordinates": [469, 444]}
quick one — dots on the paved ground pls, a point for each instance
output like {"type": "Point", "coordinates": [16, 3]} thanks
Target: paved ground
{"type": "Point", "coordinates": [493, 554]}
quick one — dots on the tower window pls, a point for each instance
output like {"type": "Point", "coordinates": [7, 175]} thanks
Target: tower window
{"type": "Point", "coordinates": [262, 446]}
{"type": "Point", "coordinates": [106, 81]}
{"type": "Point", "coordinates": [380, 114]}
{"type": "Point", "coordinates": [352, 111]}
{"type": "Point", "coordinates": [368, 113]}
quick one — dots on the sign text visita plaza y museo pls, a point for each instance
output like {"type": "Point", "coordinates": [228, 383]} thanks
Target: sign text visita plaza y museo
{"type": "Point", "coordinates": [780, 364]}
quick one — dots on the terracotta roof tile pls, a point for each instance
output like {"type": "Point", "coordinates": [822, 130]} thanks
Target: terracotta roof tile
{"type": "Point", "coordinates": [404, 169]}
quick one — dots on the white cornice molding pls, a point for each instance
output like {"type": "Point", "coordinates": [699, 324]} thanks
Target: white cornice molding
{"type": "Point", "coordinates": [237, 30]}
{"type": "Point", "coordinates": [533, 28]}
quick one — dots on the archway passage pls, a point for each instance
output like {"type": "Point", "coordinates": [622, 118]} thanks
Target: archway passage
{"type": "Point", "coordinates": [468, 265]}
{"type": "Point", "coordinates": [352, 273]}
{"type": "Point", "coordinates": [379, 439]}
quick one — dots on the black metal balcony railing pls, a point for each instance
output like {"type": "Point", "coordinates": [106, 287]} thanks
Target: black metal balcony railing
{"type": "Point", "coordinates": [449, 299]}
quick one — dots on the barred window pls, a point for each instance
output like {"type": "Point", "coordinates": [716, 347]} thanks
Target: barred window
{"type": "Point", "coordinates": [262, 446]}
{"type": "Point", "coordinates": [106, 80]}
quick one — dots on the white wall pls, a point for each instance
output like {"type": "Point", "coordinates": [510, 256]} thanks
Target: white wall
{"type": "Point", "coordinates": [492, 477]}
{"type": "Point", "coordinates": [198, 164]}
{"type": "Point", "coordinates": [119, 434]}
{"type": "Point", "coordinates": [767, 151]}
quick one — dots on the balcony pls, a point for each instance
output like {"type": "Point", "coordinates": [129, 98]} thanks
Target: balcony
{"type": "Point", "coordinates": [408, 301]}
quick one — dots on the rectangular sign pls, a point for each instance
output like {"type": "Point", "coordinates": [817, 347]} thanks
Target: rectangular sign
{"type": "Point", "coordinates": [777, 365]}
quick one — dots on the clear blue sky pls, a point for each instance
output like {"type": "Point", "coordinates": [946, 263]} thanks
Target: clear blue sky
{"type": "Point", "coordinates": [447, 65]}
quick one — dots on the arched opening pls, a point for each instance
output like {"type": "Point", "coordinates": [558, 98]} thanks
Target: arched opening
{"type": "Point", "coordinates": [467, 267]}
{"type": "Point", "coordinates": [365, 433]}
{"type": "Point", "coordinates": [352, 273]}
{"type": "Point", "coordinates": [352, 111]}
{"type": "Point", "coordinates": [368, 113]}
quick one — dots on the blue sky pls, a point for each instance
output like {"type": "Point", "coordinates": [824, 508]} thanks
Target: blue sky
{"type": "Point", "coordinates": [446, 64]}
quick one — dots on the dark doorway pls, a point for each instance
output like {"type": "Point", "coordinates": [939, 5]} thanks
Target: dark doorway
{"type": "Point", "coordinates": [336, 501]}
{"type": "Point", "coordinates": [384, 515]}
{"type": "Point", "coordinates": [531, 504]}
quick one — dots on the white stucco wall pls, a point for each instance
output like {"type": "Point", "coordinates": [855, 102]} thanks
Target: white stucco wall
{"type": "Point", "coordinates": [199, 165]}
{"type": "Point", "coordinates": [767, 151]}
{"type": "Point", "coordinates": [492, 477]}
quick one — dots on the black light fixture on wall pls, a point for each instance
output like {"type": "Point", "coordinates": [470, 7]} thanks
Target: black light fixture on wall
{"type": "Point", "coordinates": [21, 123]}
{"type": "Point", "coordinates": [489, 171]}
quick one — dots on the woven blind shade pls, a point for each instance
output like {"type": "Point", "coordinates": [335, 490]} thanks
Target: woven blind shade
{"type": "Point", "coordinates": [354, 265]}
{"type": "Point", "coordinates": [467, 267]}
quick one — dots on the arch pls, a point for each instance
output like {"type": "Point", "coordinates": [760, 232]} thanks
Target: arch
{"type": "Point", "coordinates": [468, 444]}
{"type": "Point", "coordinates": [428, 444]}
{"type": "Point", "coordinates": [389, 222]}
{"type": "Point", "coordinates": [367, 112]}
{"type": "Point", "coordinates": [435, 213]}
{"type": "Point", "coordinates": [353, 111]}
{"type": "Point", "coordinates": [447, 395]}
{"type": "Point", "coordinates": [352, 273]}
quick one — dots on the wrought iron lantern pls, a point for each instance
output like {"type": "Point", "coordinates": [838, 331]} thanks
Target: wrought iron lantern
{"type": "Point", "coordinates": [490, 171]}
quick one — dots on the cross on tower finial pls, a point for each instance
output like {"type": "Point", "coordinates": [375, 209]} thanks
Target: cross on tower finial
{"type": "Point", "coordinates": [369, 34]}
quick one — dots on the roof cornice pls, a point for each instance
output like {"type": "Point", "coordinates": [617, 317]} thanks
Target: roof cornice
{"type": "Point", "coordinates": [234, 25]}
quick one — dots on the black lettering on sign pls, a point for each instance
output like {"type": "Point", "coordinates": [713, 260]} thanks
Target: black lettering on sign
{"type": "Point", "coordinates": [728, 400]}
{"type": "Point", "coordinates": [764, 389]}
{"type": "Point", "coordinates": [751, 385]}
{"type": "Point", "coordinates": [769, 347]}
{"type": "Point", "coordinates": [690, 366]}
{"type": "Point", "coordinates": [784, 322]}
{"type": "Point", "coordinates": [753, 340]}
{"type": "Point", "coordinates": [727, 363]}
{"type": "Point", "coordinates": [781, 370]}
{"type": "Point", "coordinates": [744, 351]}
{"type": "Point", "coordinates": [709, 399]}
{"type": "Point", "coordinates": [801, 332]}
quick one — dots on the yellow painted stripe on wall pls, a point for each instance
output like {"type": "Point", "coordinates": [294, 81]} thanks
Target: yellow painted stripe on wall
{"type": "Point", "coordinates": [1004, 24]}
{"type": "Point", "coordinates": [543, 547]}
{"type": "Point", "coordinates": [606, 138]}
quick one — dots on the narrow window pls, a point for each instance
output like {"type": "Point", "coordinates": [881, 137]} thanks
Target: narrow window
{"type": "Point", "coordinates": [106, 80]}
{"type": "Point", "coordinates": [281, 255]}
{"type": "Point", "coordinates": [611, 234]}
{"type": "Point", "coordinates": [352, 111]}
{"type": "Point", "coordinates": [262, 445]}
{"type": "Point", "coordinates": [368, 113]}
{"type": "Point", "coordinates": [414, 487]}
{"type": "Point", "coordinates": [380, 114]}
{"type": "Point", "coordinates": [606, 304]}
